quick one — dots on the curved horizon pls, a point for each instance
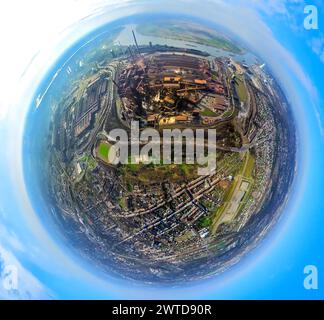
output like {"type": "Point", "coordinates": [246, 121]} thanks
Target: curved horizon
{"type": "Point", "coordinates": [30, 243]}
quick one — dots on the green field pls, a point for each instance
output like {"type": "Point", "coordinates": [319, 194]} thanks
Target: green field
{"type": "Point", "coordinates": [156, 173]}
{"type": "Point", "coordinates": [241, 90]}
{"type": "Point", "coordinates": [103, 151]}
{"type": "Point", "coordinates": [208, 113]}
{"type": "Point", "coordinates": [205, 222]}
{"type": "Point", "coordinates": [122, 203]}
{"type": "Point", "coordinates": [249, 167]}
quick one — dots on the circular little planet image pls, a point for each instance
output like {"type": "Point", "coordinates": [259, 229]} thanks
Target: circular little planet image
{"type": "Point", "coordinates": [155, 217]}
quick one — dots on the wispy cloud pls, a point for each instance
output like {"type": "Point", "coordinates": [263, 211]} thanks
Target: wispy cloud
{"type": "Point", "coordinates": [278, 7]}
{"type": "Point", "coordinates": [317, 45]}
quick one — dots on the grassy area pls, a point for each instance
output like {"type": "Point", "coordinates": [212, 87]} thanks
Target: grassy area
{"type": "Point", "coordinates": [155, 173]}
{"type": "Point", "coordinates": [205, 222]}
{"type": "Point", "coordinates": [122, 203]}
{"type": "Point", "coordinates": [104, 150]}
{"type": "Point", "coordinates": [130, 187]}
{"type": "Point", "coordinates": [249, 167]}
{"type": "Point", "coordinates": [241, 90]}
{"type": "Point", "coordinates": [185, 169]}
{"type": "Point", "coordinates": [90, 162]}
{"type": "Point", "coordinates": [208, 113]}
{"type": "Point", "coordinates": [230, 112]}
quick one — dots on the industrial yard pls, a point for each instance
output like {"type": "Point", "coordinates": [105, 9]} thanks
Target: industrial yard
{"type": "Point", "coordinates": [164, 218]}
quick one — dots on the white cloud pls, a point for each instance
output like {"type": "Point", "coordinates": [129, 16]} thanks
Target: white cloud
{"type": "Point", "coordinates": [317, 45]}
{"type": "Point", "coordinates": [280, 7]}
{"type": "Point", "coordinates": [322, 56]}
{"type": "Point", "coordinates": [10, 238]}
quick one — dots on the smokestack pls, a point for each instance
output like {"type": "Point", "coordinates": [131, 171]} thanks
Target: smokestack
{"type": "Point", "coordinates": [135, 41]}
{"type": "Point", "coordinates": [131, 53]}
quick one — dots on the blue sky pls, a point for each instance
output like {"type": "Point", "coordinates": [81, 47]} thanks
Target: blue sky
{"type": "Point", "coordinates": [274, 30]}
